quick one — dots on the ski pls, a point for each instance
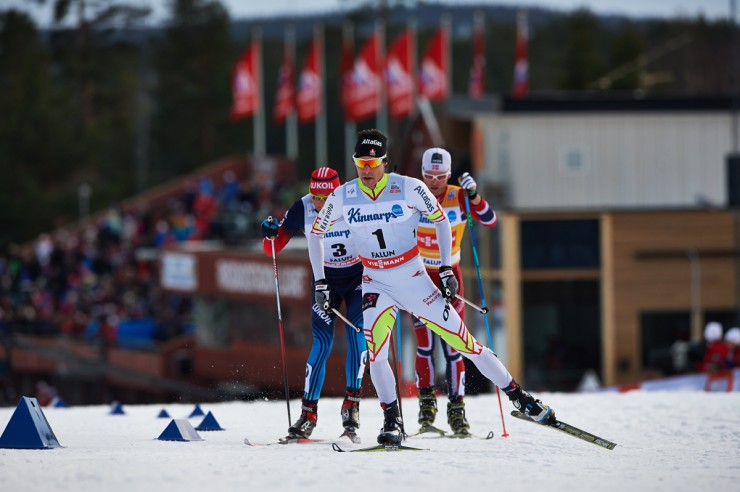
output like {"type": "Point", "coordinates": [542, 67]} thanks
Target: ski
{"type": "Point", "coordinates": [469, 435]}
{"type": "Point", "coordinates": [352, 436]}
{"type": "Point", "coordinates": [299, 440]}
{"type": "Point", "coordinates": [285, 440]}
{"type": "Point", "coordinates": [378, 448]}
{"type": "Point", "coordinates": [570, 430]}
{"type": "Point", "coordinates": [429, 429]}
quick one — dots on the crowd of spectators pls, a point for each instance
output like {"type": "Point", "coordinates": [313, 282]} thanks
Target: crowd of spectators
{"type": "Point", "coordinates": [92, 282]}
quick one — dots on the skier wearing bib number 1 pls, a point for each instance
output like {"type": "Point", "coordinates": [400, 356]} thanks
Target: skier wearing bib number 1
{"type": "Point", "coordinates": [344, 274]}
{"type": "Point", "coordinates": [382, 211]}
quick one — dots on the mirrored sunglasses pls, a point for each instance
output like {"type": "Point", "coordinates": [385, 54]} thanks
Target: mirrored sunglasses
{"type": "Point", "coordinates": [319, 198]}
{"type": "Point", "coordinates": [371, 162]}
{"type": "Point", "coordinates": [436, 177]}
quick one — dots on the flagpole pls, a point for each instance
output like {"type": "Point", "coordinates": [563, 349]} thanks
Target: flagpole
{"type": "Point", "coordinates": [476, 82]}
{"type": "Point", "coordinates": [291, 121]}
{"type": "Point", "coordinates": [381, 120]}
{"type": "Point", "coordinates": [321, 157]}
{"type": "Point", "coordinates": [259, 113]}
{"type": "Point", "coordinates": [350, 127]}
{"type": "Point", "coordinates": [447, 53]}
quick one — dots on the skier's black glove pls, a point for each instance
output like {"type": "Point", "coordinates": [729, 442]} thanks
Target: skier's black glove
{"type": "Point", "coordinates": [322, 294]}
{"type": "Point", "coordinates": [447, 282]}
{"type": "Point", "coordinates": [269, 228]}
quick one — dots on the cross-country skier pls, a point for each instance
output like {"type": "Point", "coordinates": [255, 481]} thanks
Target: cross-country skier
{"type": "Point", "coordinates": [383, 211]}
{"type": "Point", "coordinates": [436, 165]}
{"type": "Point", "coordinates": [344, 274]}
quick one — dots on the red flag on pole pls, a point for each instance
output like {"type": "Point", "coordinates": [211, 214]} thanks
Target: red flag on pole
{"type": "Point", "coordinates": [246, 97]}
{"type": "Point", "coordinates": [477, 71]}
{"type": "Point", "coordinates": [285, 96]}
{"type": "Point", "coordinates": [308, 99]}
{"type": "Point", "coordinates": [521, 66]}
{"type": "Point", "coordinates": [434, 67]}
{"type": "Point", "coordinates": [398, 75]}
{"type": "Point", "coordinates": [363, 87]}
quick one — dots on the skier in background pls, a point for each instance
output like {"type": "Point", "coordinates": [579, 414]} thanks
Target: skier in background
{"type": "Point", "coordinates": [436, 166]}
{"type": "Point", "coordinates": [344, 274]}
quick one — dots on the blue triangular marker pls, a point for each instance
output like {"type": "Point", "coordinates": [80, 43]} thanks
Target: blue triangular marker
{"type": "Point", "coordinates": [163, 414]}
{"type": "Point", "coordinates": [117, 409]}
{"type": "Point", "coordinates": [209, 424]}
{"type": "Point", "coordinates": [179, 430]}
{"type": "Point", "coordinates": [28, 428]}
{"type": "Point", "coordinates": [197, 411]}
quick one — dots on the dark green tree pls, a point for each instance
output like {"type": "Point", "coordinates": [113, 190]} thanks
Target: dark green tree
{"type": "Point", "coordinates": [582, 59]}
{"type": "Point", "coordinates": [34, 134]}
{"type": "Point", "coordinates": [193, 62]}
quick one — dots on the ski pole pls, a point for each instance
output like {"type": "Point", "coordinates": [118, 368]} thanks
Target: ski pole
{"type": "Point", "coordinates": [398, 369]}
{"type": "Point", "coordinates": [341, 316]}
{"type": "Point", "coordinates": [280, 324]}
{"type": "Point", "coordinates": [482, 310]}
{"type": "Point", "coordinates": [483, 301]}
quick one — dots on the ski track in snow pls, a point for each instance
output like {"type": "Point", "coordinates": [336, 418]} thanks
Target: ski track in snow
{"type": "Point", "coordinates": [667, 441]}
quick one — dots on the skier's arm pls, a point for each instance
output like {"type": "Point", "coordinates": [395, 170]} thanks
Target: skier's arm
{"type": "Point", "coordinates": [329, 214]}
{"type": "Point", "coordinates": [292, 223]}
{"type": "Point", "coordinates": [423, 200]}
{"type": "Point", "coordinates": [479, 208]}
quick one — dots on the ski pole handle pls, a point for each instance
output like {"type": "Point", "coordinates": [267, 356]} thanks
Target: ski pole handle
{"type": "Point", "coordinates": [482, 310]}
{"type": "Point", "coordinates": [349, 323]}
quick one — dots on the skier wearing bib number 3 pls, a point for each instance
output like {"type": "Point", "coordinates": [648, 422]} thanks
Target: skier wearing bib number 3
{"type": "Point", "coordinates": [344, 273]}
{"type": "Point", "coordinates": [382, 211]}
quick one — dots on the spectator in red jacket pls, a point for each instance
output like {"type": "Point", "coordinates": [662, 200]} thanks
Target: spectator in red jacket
{"type": "Point", "coordinates": [732, 342]}
{"type": "Point", "coordinates": [716, 353]}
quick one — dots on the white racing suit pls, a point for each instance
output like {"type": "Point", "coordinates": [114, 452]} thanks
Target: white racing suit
{"type": "Point", "coordinates": [383, 224]}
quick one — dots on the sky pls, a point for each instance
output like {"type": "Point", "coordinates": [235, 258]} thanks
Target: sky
{"type": "Point", "coordinates": [666, 442]}
{"type": "Point", "coordinates": [238, 9]}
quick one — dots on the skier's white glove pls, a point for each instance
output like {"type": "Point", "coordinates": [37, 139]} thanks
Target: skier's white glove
{"type": "Point", "coordinates": [468, 184]}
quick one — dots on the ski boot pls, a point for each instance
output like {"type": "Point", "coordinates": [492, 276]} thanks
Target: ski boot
{"type": "Point", "coordinates": [351, 416]}
{"type": "Point", "coordinates": [392, 432]}
{"type": "Point", "coordinates": [306, 423]}
{"type": "Point", "coordinates": [427, 407]}
{"type": "Point", "coordinates": [428, 411]}
{"type": "Point", "coordinates": [525, 403]}
{"type": "Point", "coordinates": [456, 417]}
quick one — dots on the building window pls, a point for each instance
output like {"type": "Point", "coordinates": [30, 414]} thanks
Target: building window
{"type": "Point", "coordinates": [561, 333]}
{"type": "Point", "coordinates": [560, 244]}
{"type": "Point", "coordinates": [573, 162]}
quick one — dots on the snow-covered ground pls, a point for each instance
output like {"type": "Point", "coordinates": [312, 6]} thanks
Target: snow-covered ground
{"type": "Point", "coordinates": [670, 441]}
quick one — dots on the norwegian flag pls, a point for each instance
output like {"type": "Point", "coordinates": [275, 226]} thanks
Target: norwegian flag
{"type": "Point", "coordinates": [244, 86]}
{"type": "Point", "coordinates": [434, 68]}
{"type": "Point", "coordinates": [362, 89]}
{"type": "Point", "coordinates": [285, 96]}
{"type": "Point", "coordinates": [308, 99]}
{"type": "Point", "coordinates": [398, 75]}
{"type": "Point", "coordinates": [521, 66]}
{"type": "Point", "coordinates": [477, 71]}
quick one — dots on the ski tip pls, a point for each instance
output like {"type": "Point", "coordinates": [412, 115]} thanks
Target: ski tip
{"type": "Point", "coordinates": [247, 441]}
{"type": "Point", "coordinates": [491, 435]}
{"type": "Point", "coordinates": [336, 448]}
